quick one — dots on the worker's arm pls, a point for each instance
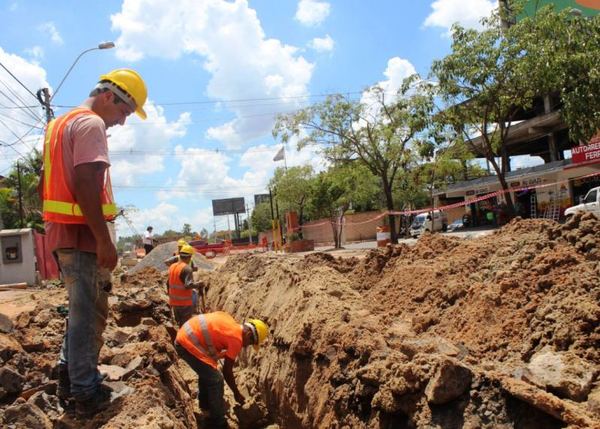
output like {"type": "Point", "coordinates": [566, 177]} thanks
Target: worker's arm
{"type": "Point", "coordinates": [87, 194]}
{"type": "Point", "coordinates": [230, 379]}
{"type": "Point", "coordinates": [170, 261]}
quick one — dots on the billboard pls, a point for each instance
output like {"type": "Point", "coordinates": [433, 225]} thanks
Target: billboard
{"type": "Point", "coordinates": [228, 206]}
{"type": "Point", "coordinates": [587, 7]}
{"type": "Point", "coordinates": [261, 198]}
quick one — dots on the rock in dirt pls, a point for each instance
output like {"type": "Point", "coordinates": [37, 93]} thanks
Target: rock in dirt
{"type": "Point", "coordinates": [26, 416]}
{"type": "Point", "coordinates": [10, 380]}
{"type": "Point", "coordinates": [6, 324]}
{"type": "Point", "coordinates": [9, 346]}
{"type": "Point", "coordinates": [48, 404]}
{"type": "Point", "coordinates": [449, 382]}
{"type": "Point", "coordinates": [562, 373]}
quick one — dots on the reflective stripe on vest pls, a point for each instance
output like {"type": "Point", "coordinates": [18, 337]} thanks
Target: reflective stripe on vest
{"type": "Point", "coordinates": [179, 296]}
{"type": "Point", "coordinates": [209, 350]}
{"type": "Point", "coordinates": [59, 203]}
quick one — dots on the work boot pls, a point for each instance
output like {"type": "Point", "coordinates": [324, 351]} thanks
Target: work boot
{"type": "Point", "coordinates": [99, 401]}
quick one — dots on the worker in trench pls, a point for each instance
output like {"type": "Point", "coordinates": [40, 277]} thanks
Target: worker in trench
{"type": "Point", "coordinates": [77, 204]}
{"type": "Point", "coordinates": [201, 342]}
{"type": "Point", "coordinates": [182, 286]}
{"type": "Point", "coordinates": [175, 258]}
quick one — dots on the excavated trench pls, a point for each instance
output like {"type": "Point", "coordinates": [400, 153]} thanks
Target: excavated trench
{"type": "Point", "coordinates": [495, 332]}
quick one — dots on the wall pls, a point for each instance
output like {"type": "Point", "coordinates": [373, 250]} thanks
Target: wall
{"type": "Point", "coordinates": [358, 227]}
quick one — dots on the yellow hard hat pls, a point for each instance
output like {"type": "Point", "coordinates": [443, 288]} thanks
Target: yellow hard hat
{"type": "Point", "coordinates": [181, 242]}
{"type": "Point", "coordinates": [133, 85]}
{"type": "Point", "coordinates": [186, 249]}
{"type": "Point", "coordinates": [262, 331]}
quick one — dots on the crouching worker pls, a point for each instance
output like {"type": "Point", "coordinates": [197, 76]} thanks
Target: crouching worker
{"type": "Point", "coordinates": [181, 286]}
{"type": "Point", "coordinates": [202, 341]}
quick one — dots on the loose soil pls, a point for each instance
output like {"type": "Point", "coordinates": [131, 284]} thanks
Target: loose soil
{"type": "Point", "coordinates": [449, 333]}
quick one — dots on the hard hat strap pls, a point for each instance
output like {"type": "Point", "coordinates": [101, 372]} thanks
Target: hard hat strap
{"type": "Point", "coordinates": [254, 331]}
{"type": "Point", "coordinates": [118, 92]}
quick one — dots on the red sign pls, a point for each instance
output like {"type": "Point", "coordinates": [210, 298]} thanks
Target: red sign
{"type": "Point", "coordinates": [589, 153]}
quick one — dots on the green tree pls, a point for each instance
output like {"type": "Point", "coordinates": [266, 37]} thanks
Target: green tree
{"type": "Point", "coordinates": [492, 75]}
{"type": "Point", "coordinates": [187, 230]}
{"type": "Point", "coordinates": [336, 190]}
{"type": "Point", "coordinates": [377, 134]}
{"type": "Point", "coordinates": [291, 188]}
{"type": "Point", "coordinates": [484, 88]}
{"type": "Point", "coordinates": [563, 53]}
{"type": "Point", "coordinates": [261, 217]}
{"type": "Point", "coordinates": [26, 176]}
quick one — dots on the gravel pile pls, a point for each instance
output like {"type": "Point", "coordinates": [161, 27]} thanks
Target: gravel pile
{"type": "Point", "coordinates": [156, 259]}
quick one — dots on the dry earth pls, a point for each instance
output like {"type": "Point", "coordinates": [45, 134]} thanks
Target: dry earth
{"type": "Point", "coordinates": [496, 332]}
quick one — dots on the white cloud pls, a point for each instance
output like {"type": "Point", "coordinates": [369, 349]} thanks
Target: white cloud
{"type": "Point", "coordinates": [161, 217]}
{"type": "Point", "coordinates": [467, 13]}
{"type": "Point", "coordinates": [139, 147]}
{"type": "Point", "coordinates": [17, 121]}
{"type": "Point", "coordinates": [50, 29]}
{"type": "Point", "coordinates": [323, 44]}
{"type": "Point", "coordinates": [36, 53]}
{"type": "Point", "coordinates": [242, 61]}
{"type": "Point", "coordinates": [312, 12]}
{"type": "Point", "coordinates": [396, 71]}
{"type": "Point", "coordinates": [164, 216]}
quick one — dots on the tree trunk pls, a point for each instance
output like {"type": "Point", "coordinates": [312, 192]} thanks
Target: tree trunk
{"type": "Point", "coordinates": [334, 228]}
{"type": "Point", "coordinates": [504, 185]}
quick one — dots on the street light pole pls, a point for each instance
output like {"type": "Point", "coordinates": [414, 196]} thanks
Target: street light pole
{"type": "Point", "coordinates": [43, 94]}
{"type": "Point", "coordinates": [103, 45]}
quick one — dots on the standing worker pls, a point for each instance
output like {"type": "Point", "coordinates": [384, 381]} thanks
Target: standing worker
{"type": "Point", "coordinates": [148, 240]}
{"type": "Point", "coordinates": [175, 258]}
{"type": "Point", "coordinates": [202, 341]}
{"type": "Point", "coordinates": [77, 202]}
{"type": "Point", "coordinates": [181, 286]}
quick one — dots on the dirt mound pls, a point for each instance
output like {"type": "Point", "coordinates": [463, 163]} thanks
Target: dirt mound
{"type": "Point", "coordinates": [500, 331]}
{"type": "Point", "coordinates": [496, 332]}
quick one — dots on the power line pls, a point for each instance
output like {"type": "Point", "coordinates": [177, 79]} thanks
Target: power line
{"type": "Point", "coordinates": [31, 113]}
{"type": "Point", "coordinates": [17, 79]}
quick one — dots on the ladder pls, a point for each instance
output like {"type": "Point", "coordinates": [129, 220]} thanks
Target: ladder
{"type": "Point", "coordinates": [533, 205]}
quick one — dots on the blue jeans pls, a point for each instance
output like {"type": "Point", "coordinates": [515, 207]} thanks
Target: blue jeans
{"type": "Point", "coordinates": [88, 310]}
{"type": "Point", "coordinates": [210, 388]}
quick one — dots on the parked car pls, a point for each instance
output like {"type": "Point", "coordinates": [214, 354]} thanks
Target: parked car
{"type": "Point", "coordinates": [423, 222]}
{"type": "Point", "coordinates": [457, 224]}
{"type": "Point", "coordinates": [589, 203]}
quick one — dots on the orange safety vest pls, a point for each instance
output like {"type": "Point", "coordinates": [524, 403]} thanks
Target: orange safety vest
{"type": "Point", "coordinates": [199, 334]}
{"type": "Point", "coordinates": [59, 203]}
{"type": "Point", "coordinates": [179, 296]}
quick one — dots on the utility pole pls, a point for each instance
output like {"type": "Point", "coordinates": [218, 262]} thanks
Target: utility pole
{"type": "Point", "coordinates": [20, 193]}
{"type": "Point", "coordinates": [43, 95]}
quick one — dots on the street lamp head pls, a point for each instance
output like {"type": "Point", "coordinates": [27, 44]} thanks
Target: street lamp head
{"type": "Point", "coordinates": [106, 45]}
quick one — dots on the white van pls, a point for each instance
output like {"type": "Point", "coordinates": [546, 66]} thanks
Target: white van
{"type": "Point", "coordinates": [589, 203]}
{"type": "Point", "coordinates": [423, 222]}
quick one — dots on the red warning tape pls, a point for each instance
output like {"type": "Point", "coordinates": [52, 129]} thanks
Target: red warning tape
{"type": "Point", "coordinates": [450, 206]}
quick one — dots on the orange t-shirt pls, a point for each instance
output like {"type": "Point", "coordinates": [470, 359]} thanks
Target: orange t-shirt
{"type": "Point", "coordinates": [224, 331]}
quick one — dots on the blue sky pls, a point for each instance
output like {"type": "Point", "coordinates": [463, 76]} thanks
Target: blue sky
{"type": "Point", "coordinates": [217, 73]}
